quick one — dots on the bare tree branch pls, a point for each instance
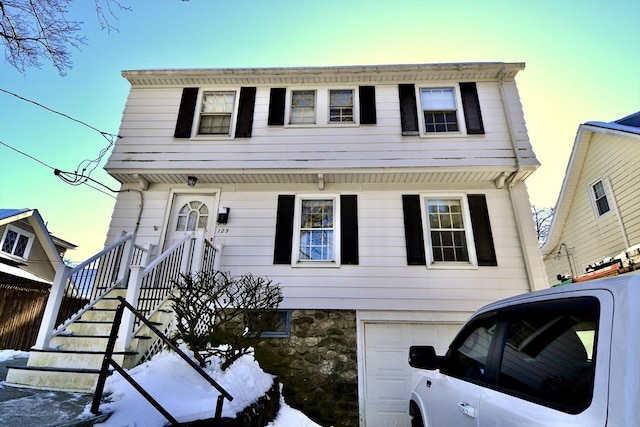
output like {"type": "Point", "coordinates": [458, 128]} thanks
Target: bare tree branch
{"type": "Point", "coordinates": [542, 218]}
{"type": "Point", "coordinates": [36, 31]}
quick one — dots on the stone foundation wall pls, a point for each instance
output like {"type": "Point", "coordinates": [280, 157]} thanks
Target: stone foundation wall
{"type": "Point", "coordinates": [317, 365]}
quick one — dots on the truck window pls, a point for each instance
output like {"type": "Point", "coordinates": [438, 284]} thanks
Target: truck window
{"type": "Point", "coordinates": [548, 356]}
{"type": "Point", "coordinates": [467, 356]}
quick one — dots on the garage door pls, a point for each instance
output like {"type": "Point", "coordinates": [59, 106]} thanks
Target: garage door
{"type": "Point", "coordinates": [387, 373]}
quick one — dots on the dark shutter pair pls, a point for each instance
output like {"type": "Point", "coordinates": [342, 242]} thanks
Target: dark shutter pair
{"type": "Point", "coordinates": [470, 105]}
{"type": "Point", "coordinates": [348, 231]}
{"type": "Point", "coordinates": [414, 237]}
{"type": "Point", "coordinates": [277, 101]}
{"type": "Point", "coordinates": [187, 112]}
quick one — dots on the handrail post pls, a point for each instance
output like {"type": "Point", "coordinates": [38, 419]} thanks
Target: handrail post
{"type": "Point", "coordinates": [187, 255]}
{"type": "Point", "coordinates": [125, 334]}
{"type": "Point", "coordinates": [127, 253]}
{"type": "Point", "coordinates": [53, 306]}
{"type": "Point", "coordinates": [218, 258]}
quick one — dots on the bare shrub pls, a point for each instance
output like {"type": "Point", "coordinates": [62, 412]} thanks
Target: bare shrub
{"type": "Point", "coordinates": [223, 316]}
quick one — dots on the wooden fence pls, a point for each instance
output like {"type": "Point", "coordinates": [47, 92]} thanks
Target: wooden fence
{"type": "Point", "coordinates": [21, 310]}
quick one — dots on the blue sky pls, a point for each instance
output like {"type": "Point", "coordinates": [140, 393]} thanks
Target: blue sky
{"type": "Point", "coordinates": [582, 63]}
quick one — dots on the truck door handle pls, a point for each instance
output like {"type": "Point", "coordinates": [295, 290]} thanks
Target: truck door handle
{"type": "Point", "coordinates": [467, 409]}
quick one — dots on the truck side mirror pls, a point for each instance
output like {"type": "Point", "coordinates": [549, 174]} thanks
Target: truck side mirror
{"type": "Point", "coordinates": [423, 357]}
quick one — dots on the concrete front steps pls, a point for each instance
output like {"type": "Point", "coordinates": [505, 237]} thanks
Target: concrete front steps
{"type": "Point", "coordinates": [74, 358]}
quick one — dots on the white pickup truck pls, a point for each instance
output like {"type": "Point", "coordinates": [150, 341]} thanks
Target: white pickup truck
{"type": "Point", "coordinates": [566, 356]}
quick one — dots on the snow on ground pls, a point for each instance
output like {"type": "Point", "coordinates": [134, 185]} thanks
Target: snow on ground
{"type": "Point", "coordinates": [183, 392]}
{"type": "Point", "coordinates": [186, 395]}
{"type": "Point", "coordinates": [6, 355]}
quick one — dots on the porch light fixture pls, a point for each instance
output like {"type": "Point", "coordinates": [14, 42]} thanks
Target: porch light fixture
{"type": "Point", "coordinates": [191, 181]}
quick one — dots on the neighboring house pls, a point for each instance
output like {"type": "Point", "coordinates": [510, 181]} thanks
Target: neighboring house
{"type": "Point", "coordinates": [597, 216]}
{"type": "Point", "coordinates": [28, 259]}
{"type": "Point", "coordinates": [388, 201]}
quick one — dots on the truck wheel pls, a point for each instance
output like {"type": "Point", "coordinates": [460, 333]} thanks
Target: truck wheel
{"type": "Point", "coordinates": [416, 416]}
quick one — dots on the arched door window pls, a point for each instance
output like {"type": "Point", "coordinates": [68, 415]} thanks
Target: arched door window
{"type": "Point", "coordinates": [193, 216]}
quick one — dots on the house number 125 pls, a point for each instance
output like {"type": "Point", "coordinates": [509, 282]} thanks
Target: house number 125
{"type": "Point", "coordinates": [223, 230]}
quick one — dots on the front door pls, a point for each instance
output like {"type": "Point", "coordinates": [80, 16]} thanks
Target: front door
{"type": "Point", "coordinates": [192, 213]}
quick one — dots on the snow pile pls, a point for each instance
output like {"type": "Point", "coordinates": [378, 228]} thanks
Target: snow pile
{"type": "Point", "coordinates": [186, 395]}
{"type": "Point", "coordinates": [6, 355]}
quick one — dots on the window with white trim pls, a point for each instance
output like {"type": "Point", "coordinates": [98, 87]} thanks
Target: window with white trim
{"type": "Point", "coordinates": [216, 112]}
{"type": "Point", "coordinates": [303, 107]}
{"type": "Point", "coordinates": [341, 106]}
{"type": "Point", "coordinates": [17, 242]}
{"type": "Point", "coordinates": [439, 110]}
{"type": "Point", "coordinates": [449, 234]}
{"type": "Point", "coordinates": [599, 197]}
{"type": "Point", "coordinates": [316, 230]}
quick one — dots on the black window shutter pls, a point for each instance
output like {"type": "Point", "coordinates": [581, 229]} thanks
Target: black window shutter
{"type": "Point", "coordinates": [247, 101]}
{"type": "Point", "coordinates": [186, 112]}
{"type": "Point", "coordinates": [471, 105]}
{"type": "Point", "coordinates": [367, 105]}
{"type": "Point", "coordinates": [349, 229]}
{"type": "Point", "coordinates": [276, 106]}
{"type": "Point", "coordinates": [482, 235]}
{"type": "Point", "coordinates": [413, 234]}
{"type": "Point", "coordinates": [284, 229]}
{"type": "Point", "coordinates": [408, 112]}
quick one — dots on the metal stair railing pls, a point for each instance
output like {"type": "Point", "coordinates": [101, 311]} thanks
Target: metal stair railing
{"type": "Point", "coordinates": [109, 361]}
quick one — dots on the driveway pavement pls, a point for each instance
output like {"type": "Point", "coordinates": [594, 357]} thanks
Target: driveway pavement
{"type": "Point", "coordinates": [26, 407]}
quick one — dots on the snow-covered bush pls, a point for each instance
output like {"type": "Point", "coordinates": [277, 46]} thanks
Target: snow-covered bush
{"type": "Point", "coordinates": [223, 316]}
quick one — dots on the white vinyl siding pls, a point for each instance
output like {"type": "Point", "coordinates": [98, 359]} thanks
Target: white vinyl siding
{"type": "Point", "coordinates": [381, 281]}
{"type": "Point", "coordinates": [593, 237]}
{"type": "Point", "coordinates": [150, 114]}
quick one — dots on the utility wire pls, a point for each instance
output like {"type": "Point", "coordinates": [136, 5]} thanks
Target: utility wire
{"type": "Point", "coordinates": [106, 135]}
{"type": "Point", "coordinates": [64, 175]}
{"type": "Point", "coordinates": [86, 167]}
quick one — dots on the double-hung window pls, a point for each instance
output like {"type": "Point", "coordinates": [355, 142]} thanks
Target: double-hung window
{"type": "Point", "coordinates": [317, 230]}
{"type": "Point", "coordinates": [447, 231]}
{"type": "Point", "coordinates": [341, 106]}
{"type": "Point", "coordinates": [439, 110]}
{"type": "Point", "coordinates": [17, 242]}
{"type": "Point", "coordinates": [303, 107]}
{"type": "Point", "coordinates": [216, 112]}
{"type": "Point", "coordinates": [599, 197]}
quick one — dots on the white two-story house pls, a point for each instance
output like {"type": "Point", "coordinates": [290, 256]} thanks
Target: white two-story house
{"type": "Point", "coordinates": [388, 201]}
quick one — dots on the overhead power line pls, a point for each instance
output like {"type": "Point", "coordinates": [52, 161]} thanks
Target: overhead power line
{"type": "Point", "coordinates": [83, 171]}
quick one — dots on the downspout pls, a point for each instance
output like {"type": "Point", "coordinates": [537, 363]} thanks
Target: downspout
{"type": "Point", "coordinates": [511, 179]}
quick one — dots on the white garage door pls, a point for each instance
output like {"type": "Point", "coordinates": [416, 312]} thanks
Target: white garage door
{"type": "Point", "coordinates": [387, 373]}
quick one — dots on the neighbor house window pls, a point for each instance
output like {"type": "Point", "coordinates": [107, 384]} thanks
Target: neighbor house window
{"type": "Point", "coordinates": [17, 242]}
{"type": "Point", "coordinates": [341, 106]}
{"type": "Point", "coordinates": [439, 110]}
{"type": "Point", "coordinates": [216, 112]}
{"type": "Point", "coordinates": [317, 227]}
{"type": "Point", "coordinates": [599, 196]}
{"type": "Point", "coordinates": [447, 230]}
{"type": "Point", "coordinates": [303, 107]}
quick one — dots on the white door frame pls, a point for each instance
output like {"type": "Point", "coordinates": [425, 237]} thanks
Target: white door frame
{"type": "Point", "coordinates": [205, 192]}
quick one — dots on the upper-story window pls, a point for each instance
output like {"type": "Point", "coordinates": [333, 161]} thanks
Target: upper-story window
{"type": "Point", "coordinates": [599, 197]}
{"type": "Point", "coordinates": [449, 110]}
{"type": "Point", "coordinates": [216, 113]}
{"type": "Point", "coordinates": [303, 107]}
{"type": "Point", "coordinates": [17, 242]}
{"type": "Point", "coordinates": [439, 110]}
{"type": "Point", "coordinates": [341, 106]}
